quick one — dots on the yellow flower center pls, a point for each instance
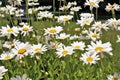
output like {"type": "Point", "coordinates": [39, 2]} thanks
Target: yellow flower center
{"type": "Point", "coordinates": [92, 3]}
{"type": "Point", "coordinates": [77, 47]}
{"type": "Point", "coordinates": [54, 46]}
{"type": "Point", "coordinates": [53, 31]}
{"type": "Point", "coordinates": [114, 22]}
{"type": "Point", "coordinates": [89, 59]}
{"type": "Point", "coordinates": [37, 50]}
{"type": "Point", "coordinates": [21, 51]}
{"type": "Point", "coordinates": [99, 48]}
{"type": "Point", "coordinates": [64, 52]}
{"type": "Point", "coordinates": [86, 21]}
{"type": "Point", "coordinates": [111, 6]}
{"type": "Point", "coordinates": [10, 30]}
{"type": "Point", "coordinates": [66, 19]}
{"type": "Point", "coordinates": [94, 35]}
{"type": "Point", "coordinates": [7, 57]}
{"type": "Point", "coordinates": [25, 29]}
{"type": "Point", "coordinates": [114, 78]}
{"type": "Point", "coordinates": [97, 26]}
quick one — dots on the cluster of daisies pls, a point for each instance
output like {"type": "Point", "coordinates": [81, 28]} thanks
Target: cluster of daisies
{"type": "Point", "coordinates": [54, 37]}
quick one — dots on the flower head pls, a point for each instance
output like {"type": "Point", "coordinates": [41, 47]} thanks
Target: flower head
{"type": "Point", "coordinates": [78, 45]}
{"type": "Point", "coordinates": [53, 30]}
{"type": "Point", "coordinates": [113, 77]}
{"type": "Point", "coordinates": [90, 58]}
{"type": "Point", "coordinates": [2, 71]}
{"type": "Point", "coordinates": [99, 47]}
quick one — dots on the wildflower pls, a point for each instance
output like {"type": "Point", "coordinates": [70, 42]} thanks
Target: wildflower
{"type": "Point", "coordinates": [113, 23]}
{"type": "Point", "coordinates": [113, 77]}
{"type": "Point", "coordinates": [72, 3]}
{"type": "Point", "coordinates": [23, 77]}
{"type": "Point", "coordinates": [62, 36]}
{"type": "Point", "coordinates": [65, 50]}
{"type": "Point", "coordinates": [39, 48]}
{"type": "Point", "coordinates": [78, 45]}
{"type": "Point", "coordinates": [92, 4]}
{"type": "Point", "coordinates": [74, 37]}
{"type": "Point", "coordinates": [15, 2]}
{"type": "Point", "coordinates": [2, 71]}
{"type": "Point", "coordinates": [98, 26]}
{"type": "Point", "coordinates": [64, 8]}
{"type": "Point", "coordinates": [7, 31]}
{"type": "Point", "coordinates": [75, 9]}
{"type": "Point", "coordinates": [93, 35]}
{"type": "Point", "coordinates": [44, 7]}
{"type": "Point", "coordinates": [113, 7]}
{"type": "Point", "coordinates": [53, 30]}
{"type": "Point", "coordinates": [54, 45]}
{"type": "Point", "coordinates": [87, 15]}
{"type": "Point", "coordinates": [64, 18]}
{"type": "Point", "coordinates": [9, 44]}
{"type": "Point", "coordinates": [6, 56]}
{"type": "Point", "coordinates": [21, 49]}
{"type": "Point", "coordinates": [85, 21]}
{"type": "Point", "coordinates": [25, 29]}
{"type": "Point", "coordinates": [99, 47]}
{"type": "Point", "coordinates": [89, 58]}
{"type": "Point", "coordinates": [45, 14]}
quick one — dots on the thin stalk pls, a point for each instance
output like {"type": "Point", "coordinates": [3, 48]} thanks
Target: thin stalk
{"type": "Point", "coordinates": [54, 9]}
{"type": "Point", "coordinates": [113, 13]}
{"type": "Point", "coordinates": [91, 11]}
{"type": "Point", "coordinates": [59, 7]}
{"type": "Point", "coordinates": [96, 14]}
{"type": "Point", "coordinates": [27, 15]}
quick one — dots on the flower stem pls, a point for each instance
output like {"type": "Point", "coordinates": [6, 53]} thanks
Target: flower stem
{"type": "Point", "coordinates": [113, 13]}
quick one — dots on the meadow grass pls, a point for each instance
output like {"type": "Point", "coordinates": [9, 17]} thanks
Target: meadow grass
{"type": "Point", "coordinates": [49, 66]}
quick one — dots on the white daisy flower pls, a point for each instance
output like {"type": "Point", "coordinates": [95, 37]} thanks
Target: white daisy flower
{"type": "Point", "coordinates": [63, 8]}
{"type": "Point", "coordinates": [55, 45]}
{"type": "Point", "coordinates": [44, 14]}
{"type": "Point", "coordinates": [64, 18]}
{"type": "Point", "coordinates": [92, 4]}
{"type": "Point", "coordinates": [85, 21]}
{"type": "Point", "coordinates": [113, 23]}
{"type": "Point", "coordinates": [23, 77]}
{"type": "Point", "coordinates": [93, 35]}
{"type": "Point", "coordinates": [39, 48]}
{"type": "Point", "coordinates": [72, 3]}
{"type": "Point", "coordinates": [21, 49]}
{"type": "Point", "coordinates": [8, 31]}
{"type": "Point", "coordinates": [116, 76]}
{"type": "Point", "coordinates": [2, 71]}
{"type": "Point", "coordinates": [87, 15]}
{"type": "Point", "coordinates": [98, 26]}
{"type": "Point", "coordinates": [53, 30]}
{"type": "Point", "coordinates": [99, 47]}
{"type": "Point", "coordinates": [89, 58]}
{"type": "Point", "coordinates": [78, 45]}
{"type": "Point", "coordinates": [10, 44]}
{"type": "Point", "coordinates": [6, 56]}
{"type": "Point", "coordinates": [15, 2]}
{"type": "Point", "coordinates": [74, 37]}
{"type": "Point", "coordinates": [62, 36]}
{"type": "Point", "coordinates": [63, 51]}
{"type": "Point", "coordinates": [25, 29]}
{"type": "Point", "coordinates": [75, 9]}
{"type": "Point", "coordinates": [113, 7]}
